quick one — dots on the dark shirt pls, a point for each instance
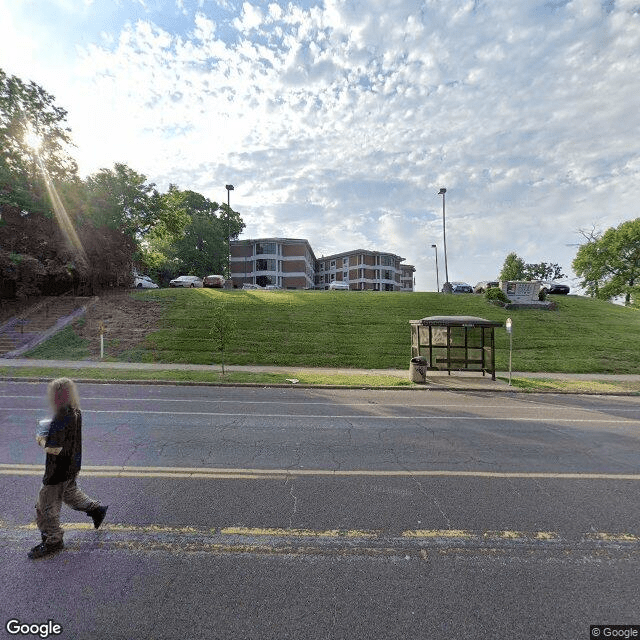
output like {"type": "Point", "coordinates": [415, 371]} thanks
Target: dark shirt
{"type": "Point", "coordinates": [65, 432]}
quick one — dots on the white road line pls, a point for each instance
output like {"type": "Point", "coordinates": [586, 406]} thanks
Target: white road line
{"type": "Point", "coordinates": [338, 417]}
{"type": "Point", "coordinates": [304, 403]}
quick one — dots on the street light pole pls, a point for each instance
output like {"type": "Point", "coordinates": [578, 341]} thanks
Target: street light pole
{"type": "Point", "coordinates": [229, 188]}
{"type": "Point", "coordinates": [444, 237]}
{"type": "Point", "coordinates": [435, 246]}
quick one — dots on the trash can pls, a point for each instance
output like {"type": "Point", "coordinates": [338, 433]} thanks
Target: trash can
{"type": "Point", "coordinates": [418, 369]}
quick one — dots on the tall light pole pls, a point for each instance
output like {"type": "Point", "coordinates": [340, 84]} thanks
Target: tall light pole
{"type": "Point", "coordinates": [444, 237]}
{"type": "Point", "coordinates": [435, 246]}
{"type": "Point", "coordinates": [229, 188]}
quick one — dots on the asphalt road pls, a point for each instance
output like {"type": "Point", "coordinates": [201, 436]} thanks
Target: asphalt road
{"type": "Point", "coordinates": [291, 513]}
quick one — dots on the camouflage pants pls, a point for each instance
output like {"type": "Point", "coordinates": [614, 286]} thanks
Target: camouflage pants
{"type": "Point", "coordinates": [50, 500]}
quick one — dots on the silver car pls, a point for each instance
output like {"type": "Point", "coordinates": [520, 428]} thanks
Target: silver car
{"type": "Point", "coordinates": [186, 281]}
{"type": "Point", "coordinates": [144, 282]}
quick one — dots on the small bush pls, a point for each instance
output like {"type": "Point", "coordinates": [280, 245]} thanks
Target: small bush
{"type": "Point", "coordinates": [495, 294]}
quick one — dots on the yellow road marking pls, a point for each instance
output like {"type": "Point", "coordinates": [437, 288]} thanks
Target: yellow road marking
{"type": "Point", "coordinates": [189, 536]}
{"type": "Point", "coordinates": [614, 537]}
{"type": "Point", "coordinates": [278, 474]}
{"type": "Point", "coordinates": [301, 533]}
{"type": "Point", "coordinates": [437, 533]}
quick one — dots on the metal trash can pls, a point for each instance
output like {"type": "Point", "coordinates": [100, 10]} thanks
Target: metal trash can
{"type": "Point", "coordinates": [418, 369]}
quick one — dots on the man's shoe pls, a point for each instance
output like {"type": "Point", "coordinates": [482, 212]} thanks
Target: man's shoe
{"type": "Point", "coordinates": [97, 515]}
{"type": "Point", "coordinates": [43, 550]}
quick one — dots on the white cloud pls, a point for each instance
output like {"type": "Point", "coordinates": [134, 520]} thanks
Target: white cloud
{"type": "Point", "coordinates": [340, 122]}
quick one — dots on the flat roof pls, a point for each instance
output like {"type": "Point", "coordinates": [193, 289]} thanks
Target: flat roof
{"type": "Point", "coordinates": [365, 251]}
{"type": "Point", "coordinates": [456, 321]}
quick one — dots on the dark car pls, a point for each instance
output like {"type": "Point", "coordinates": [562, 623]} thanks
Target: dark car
{"type": "Point", "coordinates": [554, 288]}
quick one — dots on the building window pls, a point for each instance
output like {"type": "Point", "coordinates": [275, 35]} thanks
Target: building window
{"type": "Point", "coordinates": [265, 265]}
{"type": "Point", "coordinates": [265, 247]}
{"type": "Point", "coordinates": [345, 275]}
{"type": "Point", "coordinates": [387, 261]}
{"type": "Point", "coordinates": [387, 275]}
{"type": "Point", "coordinates": [333, 264]}
{"type": "Point", "coordinates": [345, 262]}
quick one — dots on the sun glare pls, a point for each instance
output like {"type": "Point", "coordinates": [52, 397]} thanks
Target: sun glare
{"type": "Point", "coordinates": [33, 140]}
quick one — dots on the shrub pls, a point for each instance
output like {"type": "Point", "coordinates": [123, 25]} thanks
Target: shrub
{"type": "Point", "coordinates": [495, 294]}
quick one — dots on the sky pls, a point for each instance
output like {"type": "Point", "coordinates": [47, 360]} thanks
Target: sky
{"type": "Point", "coordinates": [339, 121]}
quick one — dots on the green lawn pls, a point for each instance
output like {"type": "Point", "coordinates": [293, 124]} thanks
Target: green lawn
{"type": "Point", "coordinates": [371, 330]}
{"type": "Point", "coordinates": [234, 377]}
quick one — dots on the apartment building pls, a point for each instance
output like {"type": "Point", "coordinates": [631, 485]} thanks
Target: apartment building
{"type": "Point", "coordinates": [361, 270]}
{"type": "Point", "coordinates": [285, 262]}
{"type": "Point", "coordinates": [291, 264]}
{"type": "Point", "coordinates": [406, 277]}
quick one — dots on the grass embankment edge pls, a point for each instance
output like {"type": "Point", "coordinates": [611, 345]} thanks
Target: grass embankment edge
{"type": "Point", "coordinates": [578, 387]}
{"type": "Point", "coordinates": [213, 378]}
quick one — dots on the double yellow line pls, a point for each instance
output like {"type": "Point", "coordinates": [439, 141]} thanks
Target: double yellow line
{"type": "Point", "coordinates": [211, 473]}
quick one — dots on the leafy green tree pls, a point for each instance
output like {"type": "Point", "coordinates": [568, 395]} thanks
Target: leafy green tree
{"type": "Point", "coordinates": [200, 246]}
{"type": "Point", "coordinates": [543, 271]}
{"type": "Point", "coordinates": [609, 263]}
{"type": "Point", "coordinates": [34, 140]}
{"type": "Point", "coordinates": [513, 268]}
{"type": "Point", "coordinates": [121, 198]}
{"type": "Point", "coordinates": [223, 328]}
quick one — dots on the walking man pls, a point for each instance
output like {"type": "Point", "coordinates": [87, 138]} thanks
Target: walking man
{"type": "Point", "coordinates": [63, 446]}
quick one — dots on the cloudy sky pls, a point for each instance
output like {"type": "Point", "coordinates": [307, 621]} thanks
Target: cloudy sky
{"type": "Point", "coordinates": [338, 121]}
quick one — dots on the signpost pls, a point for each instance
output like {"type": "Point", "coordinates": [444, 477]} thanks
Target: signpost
{"type": "Point", "coordinates": [509, 326]}
{"type": "Point", "coordinates": [101, 329]}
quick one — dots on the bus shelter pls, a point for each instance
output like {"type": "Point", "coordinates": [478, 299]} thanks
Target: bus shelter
{"type": "Point", "coordinates": [455, 343]}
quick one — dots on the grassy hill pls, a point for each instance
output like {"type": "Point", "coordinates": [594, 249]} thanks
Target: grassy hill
{"type": "Point", "coordinates": [368, 330]}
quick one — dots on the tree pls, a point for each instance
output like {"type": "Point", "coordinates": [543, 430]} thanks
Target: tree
{"type": "Point", "coordinates": [513, 268]}
{"type": "Point", "coordinates": [33, 141]}
{"type": "Point", "coordinates": [121, 198]}
{"type": "Point", "coordinates": [543, 271]}
{"type": "Point", "coordinates": [609, 263]}
{"type": "Point", "coordinates": [223, 327]}
{"type": "Point", "coordinates": [200, 246]}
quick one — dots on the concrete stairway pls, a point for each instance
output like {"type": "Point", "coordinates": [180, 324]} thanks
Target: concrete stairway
{"type": "Point", "coordinates": [28, 326]}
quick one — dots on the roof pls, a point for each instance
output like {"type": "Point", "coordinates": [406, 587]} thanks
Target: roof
{"type": "Point", "coordinates": [363, 251]}
{"type": "Point", "coordinates": [456, 321]}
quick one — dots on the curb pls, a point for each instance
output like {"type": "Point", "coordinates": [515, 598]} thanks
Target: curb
{"type": "Point", "coordinates": [275, 385]}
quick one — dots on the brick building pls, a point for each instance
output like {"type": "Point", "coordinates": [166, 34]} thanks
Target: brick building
{"type": "Point", "coordinates": [285, 262]}
{"type": "Point", "coordinates": [291, 264]}
{"type": "Point", "coordinates": [361, 270]}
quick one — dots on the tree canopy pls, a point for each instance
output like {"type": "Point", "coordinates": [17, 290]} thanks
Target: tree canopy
{"type": "Point", "coordinates": [609, 262]}
{"type": "Point", "coordinates": [117, 218]}
{"type": "Point", "coordinates": [515, 268]}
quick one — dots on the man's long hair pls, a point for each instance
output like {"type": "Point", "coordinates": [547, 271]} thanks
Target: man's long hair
{"type": "Point", "coordinates": [63, 395]}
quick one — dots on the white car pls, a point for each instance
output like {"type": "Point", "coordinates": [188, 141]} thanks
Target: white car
{"type": "Point", "coordinates": [186, 281]}
{"type": "Point", "coordinates": [338, 286]}
{"type": "Point", "coordinates": [144, 282]}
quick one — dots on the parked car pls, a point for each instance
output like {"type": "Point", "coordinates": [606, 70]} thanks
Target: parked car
{"type": "Point", "coordinates": [338, 286]}
{"type": "Point", "coordinates": [144, 282]}
{"type": "Point", "coordinates": [247, 286]}
{"type": "Point", "coordinates": [482, 286]}
{"type": "Point", "coordinates": [186, 281]}
{"type": "Point", "coordinates": [214, 282]}
{"type": "Point", "coordinates": [554, 288]}
{"type": "Point", "coordinates": [460, 287]}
